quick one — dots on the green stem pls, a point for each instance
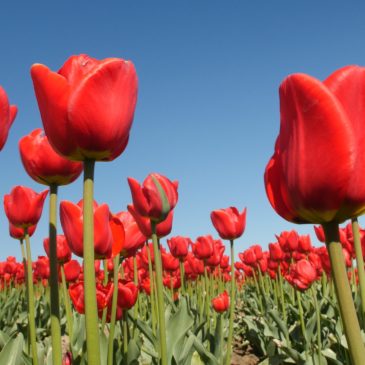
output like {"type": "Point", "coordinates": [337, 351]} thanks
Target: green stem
{"type": "Point", "coordinates": [206, 296]}
{"type": "Point", "coordinates": [318, 318]}
{"type": "Point", "coordinates": [32, 330]}
{"type": "Point", "coordinates": [182, 276]}
{"type": "Point", "coordinates": [160, 298]}
{"type": "Point", "coordinates": [53, 279]}
{"type": "Point", "coordinates": [360, 264]}
{"type": "Point", "coordinates": [283, 306]}
{"type": "Point", "coordinates": [114, 310]}
{"type": "Point", "coordinates": [152, 286]}
{"type": "Point", "coordinates": [66, 299]}
{"type": "Point", "coordinates": [135, 279]}
{"type": "Point", "coordinates": [231, 308]}
{"type": "Point", "coordinates": [105, 282]}
{"type": "Point", "coordinates": [343, 292]}
{"type": "Point", "coordinates": [91, 312]}
{"type": "Point", "coordinates": [125, 335]}
{"type": "Point", "coordinates": [302, 324]}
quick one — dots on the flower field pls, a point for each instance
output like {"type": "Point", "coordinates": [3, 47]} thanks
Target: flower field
{"type": "Point", "coordinates": [118, 288]}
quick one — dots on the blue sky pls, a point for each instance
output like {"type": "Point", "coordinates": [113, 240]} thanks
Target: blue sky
{"type": "Point", "coordinates": [208, 109]}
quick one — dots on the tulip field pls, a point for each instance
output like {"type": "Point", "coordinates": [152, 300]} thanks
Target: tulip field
{"type": "Point", "coordinates": [118, 288]}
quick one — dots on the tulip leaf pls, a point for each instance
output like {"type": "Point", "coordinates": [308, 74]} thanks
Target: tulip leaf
{"type": "Point", "coordinates": [176, 329]}
{"type": "Point", "coordinates": [12, 351]}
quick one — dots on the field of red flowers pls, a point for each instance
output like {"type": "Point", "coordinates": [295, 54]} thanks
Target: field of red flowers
{"type": "Point", "coordinates": [135, 294]}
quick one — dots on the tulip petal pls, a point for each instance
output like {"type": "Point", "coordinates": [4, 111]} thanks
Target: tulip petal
{"type": "Point", "coordinates": [314, 128]}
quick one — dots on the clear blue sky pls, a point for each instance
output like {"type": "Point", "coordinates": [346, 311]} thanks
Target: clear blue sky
{"type": "Point", "coordinates": [208, 110]}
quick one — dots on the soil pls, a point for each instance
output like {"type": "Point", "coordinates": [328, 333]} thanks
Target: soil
{"type": "Point", "coordinates": [243, 356]}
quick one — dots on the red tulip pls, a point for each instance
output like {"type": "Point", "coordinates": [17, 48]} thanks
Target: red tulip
{"type": "Point", "coordinates": [276, 253]}
{"type": "Point", "coordinates": [304, 244]}
{"type": "Point", "coordinates": [72, 270]}
{"type": "Point", "coordinates": [179, 246]}
{"type": "Point", "coordinates": [221, 302]}
{"type": "Point", "coordinates": [41, 270]}
{"type": "Point", "coordinates": [288, 240]}
{"type": "Point", "coordinates": [63, 249]}
{"type": "Point", "coordinates": [155, 198]}
{"type": "Point", "coordinates": [134, 238]}
{"type": "Point", "coordinates": [7, 117]}
{"type": "Point", "coordinates": [23, 206]}
{"type": "Point", "coordinates": [224, 264]}
{"type": "Point", "coordinates": [319, 119]}
{"type": "Point", "coordinates": [19, 233]}
{"type": "Point", "coordinates": [87, 107]}
{"type": "Point", "coordinates": [169, 262]}
{"type": "Point", "coordinates": [251, 256]}
{"type": "Point", "coordinates": [103, 296]}
{"type": "Point", "coordinates": [162, 229]}
{"type": "Point", "coordinates": [218, 250]}
{"type": "Point", "coordinates": [43, 164]}
{"type": "Point", "coordinates": [302, 275]}
{"type": "Point", "coordinates": [229, 223]}
{"type": "Point", "coordinates": [71, 216]}
{"type": "Point", "coordinates": [203, 247]}
{"type": "Point", "coordinates": [127, 294]}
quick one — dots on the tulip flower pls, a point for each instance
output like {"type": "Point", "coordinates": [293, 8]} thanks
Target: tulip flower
{"type": "Point", "coordinates": [169, 262]}
{"type": "Point", "coordinates": [19, 233]}
{"type": "Point", "coordinates": [87, 107]}
{"type": "Point", "coordinates": [276, 253]}
{"type": "Point", "coordinates": [72, 223]}
{"type": "Point", "coordinates": [63, 249]}
{"type": "Point", "coordinates": [203, 247]}
{"type": "Point", "coordinates": [43, 164]}
{"type": "Point", "coordinates": [155, 198]}
{"type": "Point", "coordinates": [134, 238]}
{"type": "Point", "coordinates": [288, 240]}
{"type": "Point", "coordinates": [23, 206]}
{"type": "Point", "coordinates": [322, 119]}
{"type": "Point", "coordinates": [179, 246]}
{"type": "Point", "coordinates": [302, 275]}
{"type": "Point", "coordinates": [144, 224]}
{"type": "Point", "coordinates": [229, 223]}
{"type": "Point", "coordinates": [103, 296]}
{"type": "Point", "coordinates": [7, 117]}
{"type": "Point", "coordinates": [72, 270]}
{"type": "Point", "coordinates": [127, 294]}
{"type": "Point", "coordinates": [221, 302]}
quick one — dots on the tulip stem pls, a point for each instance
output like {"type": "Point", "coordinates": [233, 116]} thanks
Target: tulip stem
{"type": "Point", "coordinates": [105, 282]}
{"type": "Point", "coordinates": [114, 310]}
{"type": "Point", "coordinates": [32, 330]}
{"type": "Point", "coordinates": [66, 299]}
{"type": "Point", "coordinates": [318, 319]}
{"type": "Point", "coordinates": [91, 313]}
{"type": "Point", "coordinates": [160, 296]}
{"type": "Point", "coordinates": [182, 276]}
{"type": "Point", "coordinates": [53, 279]}
{"type": "Point", "coordinates": [302, 324]}
{"type": "Point", "coordinates": [360, 265]}
{"type": "Point", "coordinates": [343, 292]}
{"type": "Point", "coordinates": [231, 307]}
{"type": "Point", "coordinates": [152, 288]}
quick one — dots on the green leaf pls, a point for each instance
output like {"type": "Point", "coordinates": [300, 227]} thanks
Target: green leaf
{"type": "Point", "coordinates": [11, 354]}
{"type": "Point", "coordinates": [176, 329]}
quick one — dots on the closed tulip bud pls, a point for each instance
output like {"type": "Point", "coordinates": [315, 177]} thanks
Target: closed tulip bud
{"type": "Point", "coordinates": [23, 206]}
{"type": "Point", "coordinates": [302, 275]}
{"type": "Point", "coordinates": [72, 270]}
{"type": "Point", "coordinates": [203, 247]}
{"type": "Point", "coordinates": [229, 223]}
{"type": "Point", "coordinates": [221, 302]}
{"type": "Point", "coordinates": [103, 296]}
{"type": "Point", "coordinates": [41, 270]}
{"type": "Point", "coordinates": [43, 164]}
{"type": "Point", "coordinates": [155, 198]}
{"type": "Point", "coordinates": [169, 262]}
{"type": "Point", "coordinates": [179, 246]}
{"type": "Point", "coordinates": [317, 117]}
{"type": "Point", "coordinates": [162, 229]}
{"type": "Point", "coordinates": [19, 232]}
{"type": "Point", "coordinates": [63, 249]}
{"type": "Point", "coordinates": [7, 117]}
{"type": "Point", "coordinates": [71, 216]}
{"type": "Point", "coordinates": [304, 244]}
{"type": "Point", "coordinates": [87, 107]}
{"type": "Point", "coordinates": [134, 238]}
{"type": "Point", "coordinates": [127, 294]}
{"type": "Point", "coordinates": [288, 240]}
{"type": "Point", "coordinates": [276, 253]}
